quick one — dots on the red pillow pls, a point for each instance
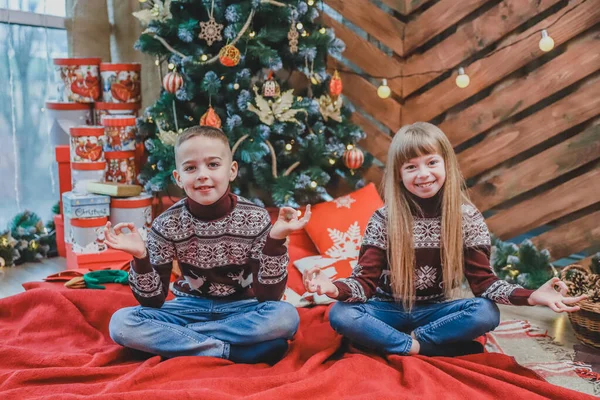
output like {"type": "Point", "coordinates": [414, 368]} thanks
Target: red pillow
{"type": "Point", "coordinates": [337, 227]}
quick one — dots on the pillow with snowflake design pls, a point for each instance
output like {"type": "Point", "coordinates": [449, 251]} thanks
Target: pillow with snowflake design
{"type": "Point", "coordinates": [336, 227]}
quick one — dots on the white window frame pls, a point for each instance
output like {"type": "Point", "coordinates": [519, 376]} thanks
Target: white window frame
{"type": "Point", "coordinates": [17, 17]}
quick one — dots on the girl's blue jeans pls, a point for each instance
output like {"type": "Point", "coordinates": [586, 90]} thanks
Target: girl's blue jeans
{"type": "Point", "coordinates": [386, 326]}
{"type": "Point", "coordinates": [189, 326]}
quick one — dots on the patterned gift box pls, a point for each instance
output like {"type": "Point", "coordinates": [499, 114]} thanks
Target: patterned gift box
{"type": "Point", "coordinates": [86, 205]}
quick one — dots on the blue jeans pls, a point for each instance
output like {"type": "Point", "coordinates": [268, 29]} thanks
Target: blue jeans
{"type": "Point", "coordinates": [386, 327]}
{"type": "Point", "coordinates": [189, 326]}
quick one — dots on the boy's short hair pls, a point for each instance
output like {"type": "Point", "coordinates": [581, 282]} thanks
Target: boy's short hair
{"type": "Point", "coordinates": [203, 131]}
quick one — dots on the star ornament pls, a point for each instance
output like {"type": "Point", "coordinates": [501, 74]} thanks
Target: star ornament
{"type": "Point", "coordinates": [210, 31]}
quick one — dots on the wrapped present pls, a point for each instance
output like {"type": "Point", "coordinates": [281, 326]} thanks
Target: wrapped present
{"type": "Point", "coordinates": [87, 143]}
{"type": "Point", "coordinates": [137, 210]}
{"type": "Point", "coordinates": [121, 82]}
{"type": "Point", "coordinates": [121, 167]}
{"type": "Point", "coordinates": [87, 235]}
{"type": "Point", "coordinates": [114, 189]}
{"type": "Point", "coordinates": [101, 109]}
{"type": "Point", "coordinates": [84, 173]}
{"type": "Point", "coordinates": [63, 116]}
{"type": "Point", "coordinates": [78, 79]}
{"type": "Point", "coordinates": [82, 206]}
{"type": "Point", "coordinates": [120, 131]}
{"type": "Point", "coordinates": [64, 170]}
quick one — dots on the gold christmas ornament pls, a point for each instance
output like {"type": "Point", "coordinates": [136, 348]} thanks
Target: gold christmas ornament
{"type": "Point", "coordinates": [168, 138]}
{"type": "Point", "coordinates": [160, 11]}
{"type": "Point", "coordinates": [229, 56]}
{"type": "Point", "coordinates": [330, 108]}
{"type": "Point", "coordinates": [280, 110]}
{"type": "Point", "coordinates": [293, 37]}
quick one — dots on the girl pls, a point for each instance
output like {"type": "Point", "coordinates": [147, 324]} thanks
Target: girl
{"type": "Point", "coordinates": [413, 256]}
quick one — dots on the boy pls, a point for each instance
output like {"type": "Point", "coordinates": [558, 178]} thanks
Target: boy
{"type": "Point", "coordinates": [233, 265]}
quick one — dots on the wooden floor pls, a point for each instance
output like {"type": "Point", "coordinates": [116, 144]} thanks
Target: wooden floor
{"type": "Point", "coordinates": [558, 325]}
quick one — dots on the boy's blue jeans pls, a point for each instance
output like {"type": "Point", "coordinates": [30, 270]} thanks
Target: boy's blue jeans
{"type": "Point", "coordinates": [386, 327]}
{"type": "Point", "coordinates": [189, 326]}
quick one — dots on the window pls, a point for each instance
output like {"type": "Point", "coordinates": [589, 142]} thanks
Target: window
{"type": "Point", "coordinates": [32, 33]}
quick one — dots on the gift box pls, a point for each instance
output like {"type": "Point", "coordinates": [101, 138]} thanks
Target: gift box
{"type": "Point", "coordinates": [109, 259]}
{"type": "Point", "coordinates": [60, 235]}
{"type": "Point", "coordinates": [63, 116]}
{"type": "Point", "coordinates": [87, 235]}
{"type": "Point", "coordinates": [64, 171]}
{"type": "Point", "coordinates": [78, 79]}
{"type": "Point", "coordinates": [137, 210]}
{"type": "Point", "coordinates": [87, 143]}
{"type": "Point", "coordinates": [120, 132]}
{"type": "Point", "coordinates": [121, 167]}
{"type": "Point", "coordinates": [86, 172]}
{"type": "Point", "coordinates": [101, 109]}
{"type": "Point", "coordinates": [121, 82]}
{"type": "Point", "coordinates": [85, 205]}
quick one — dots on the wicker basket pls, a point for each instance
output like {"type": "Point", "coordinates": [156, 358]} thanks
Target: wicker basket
{"type": "Point", "coordinates": [586, 321]}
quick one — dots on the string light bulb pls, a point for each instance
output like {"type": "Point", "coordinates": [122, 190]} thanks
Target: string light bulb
{"type": "Point", "coordinates": [462, 80]}
{"type": "Point", "coordinates": [331, 161]}
{"type": "Point", "coordinates": [204, 57]}
{"type": "Point", "coordinates": [236, 86]}
{"type": "Point", "coordinates": [288, 146]}
{"type": "Point", "coordinates": [157, 62]}
{"type": "Point", "coordinates": [304, 34]}
{"type": "Point", "coordinates": [171, 66]}
{"type": "Point", "coordinates": [546, 42]}
{"type": "Point", "coordinates": [313, 184]}
{"type": "Point", "coordinates": [322, 31]}
{"type": "Point", "coordinates": [384, 90]}
{"type": "Point", "coordinates": [299, 26]}
{"type": "Point", "coordinates": [311, 2]}
{"type": "Point", "coordinates": [350, 147]}
{"type": "Point", "coordinates": [252, 34]}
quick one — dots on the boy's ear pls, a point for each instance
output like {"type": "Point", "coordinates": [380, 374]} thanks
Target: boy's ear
{"type": "Point", "coordinates": [177, 178]}
{"type": "Point", "coordinates": [234, 171]}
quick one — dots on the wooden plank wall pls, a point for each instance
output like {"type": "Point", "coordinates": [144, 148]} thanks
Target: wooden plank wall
{"type": "Point", "coordinates": [526, 129]}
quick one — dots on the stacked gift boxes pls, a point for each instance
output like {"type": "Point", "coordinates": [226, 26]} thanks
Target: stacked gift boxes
{"type": "Point", "coordinates": [93, 128]}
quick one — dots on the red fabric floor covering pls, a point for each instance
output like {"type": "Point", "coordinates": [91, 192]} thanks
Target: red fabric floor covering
{"type": "Point", "coordinates": [54, 344]}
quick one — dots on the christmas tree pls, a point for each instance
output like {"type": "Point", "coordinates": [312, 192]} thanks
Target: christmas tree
{"type": "Point", "coordinates": [257, 70]}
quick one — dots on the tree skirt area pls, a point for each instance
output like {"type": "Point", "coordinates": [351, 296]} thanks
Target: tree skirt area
{"type": "Point", "coordinates": [533, 348]}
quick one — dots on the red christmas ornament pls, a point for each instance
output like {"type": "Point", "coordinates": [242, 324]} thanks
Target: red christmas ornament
{"type": "Point", "coordinates": [172, 82]}
{"type": "Point", "coordinates": [335, 85]}
{"type": "Point", "coordinates": [210, 118]}
{"type": "Point", "coordinates": [354, 158]}
{"type": "Point", "coordinates": [229, 56]}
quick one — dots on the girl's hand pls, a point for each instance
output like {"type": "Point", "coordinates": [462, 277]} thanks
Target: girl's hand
{"type": "Point", "coordinates": [546, 295]}
{"type": "Point", "coordinates": [288, 221]}
{"type": "Point", "coordinates": [131, 242]}
{"type": "Point", "coordinates": [317, 282]}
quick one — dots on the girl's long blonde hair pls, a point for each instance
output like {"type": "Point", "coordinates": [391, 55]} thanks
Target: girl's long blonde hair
{"type": "Point", "coordinates": [416, 140]}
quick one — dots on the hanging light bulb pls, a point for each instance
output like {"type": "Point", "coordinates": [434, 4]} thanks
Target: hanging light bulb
{"type": "Point", "coordinates": [462, 80]}
{"type": "Point", "coordinates": [546, 42]}
{"type": "Point", "coordinates": [384, 90]}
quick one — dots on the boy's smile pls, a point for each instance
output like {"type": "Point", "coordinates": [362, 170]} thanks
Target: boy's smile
{"type": "Point", "coordinates": [204, 169]}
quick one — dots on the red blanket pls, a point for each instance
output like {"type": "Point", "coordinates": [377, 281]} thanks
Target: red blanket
{"type": "Point", "coordinates": [54, 344]}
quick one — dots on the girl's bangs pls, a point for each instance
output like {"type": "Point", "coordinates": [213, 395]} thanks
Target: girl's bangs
{"type": "Point", "coordinates": [417, 144]}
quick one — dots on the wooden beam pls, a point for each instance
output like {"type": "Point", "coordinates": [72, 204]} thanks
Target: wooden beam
{"type": "Point", "coordinates": [572, 237]}
{"type": "Point", "coordinates": [396, 5]}
{"type": "Point", "coordinates": [555, 203]}
{"type": "Point", "coordinates": [364, 95]}
{"type": "Point", "coordinates": [470, 38]}
{"type": "Point", "coordinates": [485, 72]}
{"type": "Point", "coordinates": [373, 20]}
{"type": "Point", "coordinates": [585, 262]}
{"type": "Point", "coordinates": [510, 140]}
{"type": "Point", "coordinates": [507, 101]}
{"type": "Point", "coordinates": [411, 5]}
{"type": "Point", "coordinates": [507, 183]}
{"type": "Point", "coordinates": [437, 19]}
{"type": "Point", "coordinates": [365, 55]}
{"type": "Point", "coordinates": [376, 142]}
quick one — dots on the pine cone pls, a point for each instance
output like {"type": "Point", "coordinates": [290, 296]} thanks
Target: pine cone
{"type": "Point", "coordinates": [594, 295]}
